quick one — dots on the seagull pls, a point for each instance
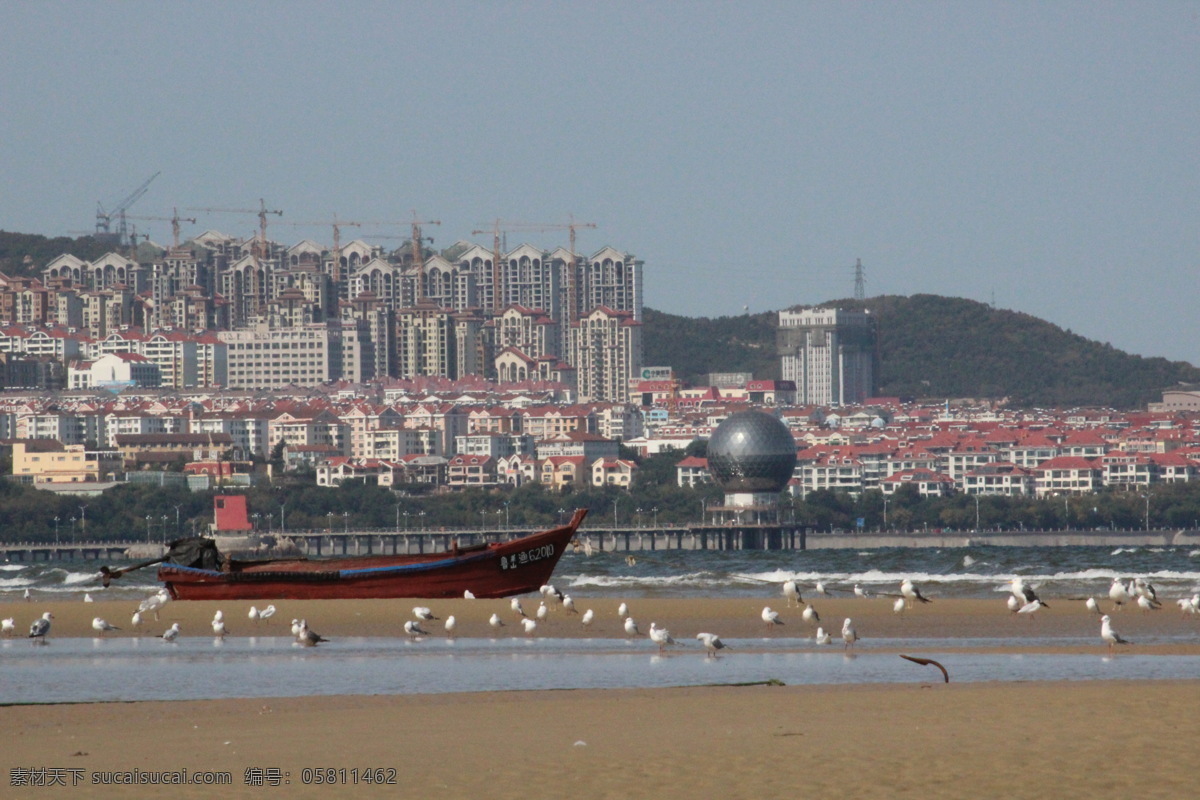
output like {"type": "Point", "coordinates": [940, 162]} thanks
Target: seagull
{"type": "Point", "coordinates": [414, 629]}
{"type": "Point", "coordinates": [1118, 594]}
{"type": "Point", "coordinates": [771, 618]}
{"type": "Point", "coordinates": [819, 588]}
{"type": "Point", "coordinates": [1146, 604]}
{"type": "Point", "coordinates": [154, 602]}
{"type": "Point", "coordinates": [1109, 635]}
{"type": "Point", "coordinates": [267, 612]}
{"type": "Point", "coordinates": [40, 627]}
{"type": "Point", "coordinates": [295, 627]}
{"type": "Point", "coordinates": [136, 619]}
{"type": "Point", "coordinates": [307, 637]}
{"type": "Point", "coordinates": [861, 592]}
{"type": "Point", "coordinates": [623, 610]}
{"type": "Point", "coordinates": [468, 595]}
{"type": "Point", "coordinates": [1014, 605]}
{"type": "Point", "coordinates": [530, 626]}
{"type": "Point", "coordinates": [542, 610]}
{"type": "Point", "coordinates": [423, 613]}
{"type": "Point", "coordinates": [253, 614]}
{"type": "Point", "coordinates": [1030, 608]}
{"type": "Point", "coordinates": [553, 595]}
{"type": "Point", "coordinates": [450, 625]}
{"type": "Point", "coordinates": [822, 637]}
{"type": "Point", "coordinates": [1092, 605]}
{"type": "Point", "coordinates": [218, 624]}
{"type": "Point", "coordinates": [792, 592]}
{"type": "Point", "coordinates": [587, 617]}
{"type": "Point", "coordinates": [660, 636]}
{"type": "Point", "coordinates": [87, 597]}
{"type": "Point", "coordinates": [911, 592]}
{"type": "Point", "coordinates": [1023, 591]}
{"type": "Point", "coordinates": [1144, 588]}
{"type": "Point", "coordinates": [712, 643]}
{"type": "Point", "coordinates": [849, 635]}
{"type": "Point", "coordinates": [569, 604]}
{"type": "Point", "coordinates": [900, 606]}
{"type": "Point", "coordinates": [28, 596]}
{"type": "Point", "coordinates": [516, 606]}
{"type": "Point", "coordinates": [1187, 605]}
{"type": "Point", "coordinates": [631, 628]}
{"type": "Point", "coordinates": [9, 626]}
{"type": "Point", "coordinates": [810, 614]}
{"type": "Point", "coordinates": [101, 625]}
{"type": "Point", "coordinates": [495, 621]}
{"type": "Point", "coordinates": [171, 633]}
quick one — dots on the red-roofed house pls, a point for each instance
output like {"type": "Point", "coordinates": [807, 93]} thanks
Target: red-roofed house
{"type": "Point", "coordinates": [1068, 475]}
{"type": "Point", "coordinates": [613, 472]}
{"type": "Point", "coordinates": [471, 470]}
{"type": "Point", "coordinates": [928, 482]}
{"type": "Point", "coordinates": [999, 477]}
{"type": "Point", "coordinates": [558, 472]}
{"type": "Point", "coordinates": [692, 471]}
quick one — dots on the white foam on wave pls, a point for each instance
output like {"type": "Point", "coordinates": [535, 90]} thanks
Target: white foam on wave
{"type": "Point", "coordinates": [1121, 550]}
{"type": "Point", "coordinates": [11, 567]}
{"type": "Point", "coordinates": [880, 578]}
{"type": "Point", "coordinates": [73, 578]}
{"type": "Point", "coordinates": [13, 583]}
{"type": "Point", "coordinates": [774, 576]}
{"type": "Point", "coordinates": [621, 581]}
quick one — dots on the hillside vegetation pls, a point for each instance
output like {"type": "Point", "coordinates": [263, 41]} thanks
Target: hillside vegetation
{"type": "Point", "coordinates": [932, 346]}
{"type": "Point", "coordinates": [42, 250]}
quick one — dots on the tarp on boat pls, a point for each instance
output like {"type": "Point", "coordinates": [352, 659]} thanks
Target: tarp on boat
{"type": "Point", "coordinates": [197, 552]}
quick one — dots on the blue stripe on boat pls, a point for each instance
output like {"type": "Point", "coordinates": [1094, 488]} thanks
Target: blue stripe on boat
{"type": "Point", "coordinates": [346, 573]}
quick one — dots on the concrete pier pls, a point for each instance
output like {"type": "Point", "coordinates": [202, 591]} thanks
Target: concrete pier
{"type": "Point", "coordinates": [326, 544]}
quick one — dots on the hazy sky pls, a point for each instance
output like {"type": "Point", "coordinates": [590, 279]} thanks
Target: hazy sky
{"type": "Point", "coordinates": [1042, 155]}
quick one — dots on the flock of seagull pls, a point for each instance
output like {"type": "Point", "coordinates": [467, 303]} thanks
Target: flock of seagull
{"type": "Point", "coordinates": [1023, 599]}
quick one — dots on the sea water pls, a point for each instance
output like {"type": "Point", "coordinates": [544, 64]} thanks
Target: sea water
{"type": "Point", "coordinates": [946, 572]}
{"type": "Point", "coordinates": [90, 670]}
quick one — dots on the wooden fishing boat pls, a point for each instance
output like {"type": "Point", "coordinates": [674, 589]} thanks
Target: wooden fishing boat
{"type": "Point", "coordinates": [195, 570]}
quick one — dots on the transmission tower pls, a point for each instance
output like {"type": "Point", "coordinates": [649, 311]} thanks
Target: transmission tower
{"type": "Point", "coordinates": [860, 281]}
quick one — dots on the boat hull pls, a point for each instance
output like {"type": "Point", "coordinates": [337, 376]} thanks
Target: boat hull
{"type": "Point", "coordinates": [497, 570]}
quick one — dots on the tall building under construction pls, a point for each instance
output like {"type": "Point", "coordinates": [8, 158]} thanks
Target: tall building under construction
{"type": "Point", "coordinates": [829, 353]}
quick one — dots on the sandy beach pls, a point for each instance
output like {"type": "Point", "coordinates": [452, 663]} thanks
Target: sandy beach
{"type": "Point", "coordinates": [949, 621]}
{"type": "Point", "coordinates": [922, 739]}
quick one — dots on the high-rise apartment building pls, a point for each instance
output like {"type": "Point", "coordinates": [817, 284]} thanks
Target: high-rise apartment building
{"type": "Point", "coordinates": [606, 351]}
{"type": "Point", "coordinates": [829, 353]}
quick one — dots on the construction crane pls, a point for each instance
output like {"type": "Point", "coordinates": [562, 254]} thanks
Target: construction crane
{"type": "Point", "coordinates": [337, 239]}
{"type": "Point", "coordinates": [572, 284]}
{"type": "Point", "coordinates": [261, 212]}
{"type": "Point", "coordinates": [105, 217]}
{"type": "Point", "coordinates": [418, 254]}
{"type": "Point", "coordinates": [174, 219]}
{"type": "Point", "coordinates": [261, 242]}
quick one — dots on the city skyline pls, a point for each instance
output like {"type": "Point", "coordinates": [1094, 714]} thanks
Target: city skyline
{"type": "Point", "coordinates": [1039, 157]}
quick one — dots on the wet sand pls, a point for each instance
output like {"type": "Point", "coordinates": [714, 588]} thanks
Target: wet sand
{"type": "Point", "coordinates": [949, 622]}
{"type": "Point", "coordinates": [1021, 740]}
{"type": "Point", "coordinates": [924, 739]}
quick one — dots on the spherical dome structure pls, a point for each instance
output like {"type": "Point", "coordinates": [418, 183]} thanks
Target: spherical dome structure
{"type": "Point", "coordinates": [751, 451]}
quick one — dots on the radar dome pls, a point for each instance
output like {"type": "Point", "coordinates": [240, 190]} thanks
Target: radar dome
{"type": "Point", "coordinates": [751, 451]}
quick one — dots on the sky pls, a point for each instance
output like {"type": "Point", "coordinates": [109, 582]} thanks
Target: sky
{"type": "Point", "coordinates": [1044, 157]}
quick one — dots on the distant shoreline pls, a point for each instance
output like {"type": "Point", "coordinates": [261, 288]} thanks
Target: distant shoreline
{"type": "Point", "coordinates": [1060, 538]}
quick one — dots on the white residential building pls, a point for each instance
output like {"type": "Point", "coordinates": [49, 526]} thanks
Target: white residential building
{"type": "Point", "coordinates": [829, 354]}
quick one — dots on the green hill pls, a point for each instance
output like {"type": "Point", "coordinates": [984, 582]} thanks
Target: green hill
{"type": "Point", "coordinates": [14, 247]}
{"type": "Point", "coordinates": [933, 346]}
